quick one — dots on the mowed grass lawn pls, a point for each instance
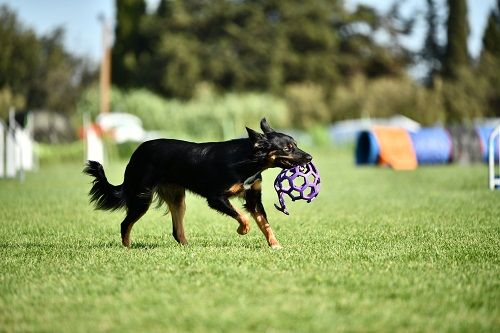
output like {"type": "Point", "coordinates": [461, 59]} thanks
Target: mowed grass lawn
{"type": "Point", "coordinates": [378, 250]}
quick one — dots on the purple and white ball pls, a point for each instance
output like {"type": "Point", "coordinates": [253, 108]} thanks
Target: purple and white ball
{"type": "Point", "coordinates": [299, 183]}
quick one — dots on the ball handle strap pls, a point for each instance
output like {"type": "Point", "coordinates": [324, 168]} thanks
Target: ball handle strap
{"type": "Point", "coordinates": [282, 207]}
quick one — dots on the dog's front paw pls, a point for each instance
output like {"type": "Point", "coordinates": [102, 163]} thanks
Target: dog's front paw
{"type": "Point", "coordinates": [243, 229]}
{"type": "Point", "coordinates": [273, 243]}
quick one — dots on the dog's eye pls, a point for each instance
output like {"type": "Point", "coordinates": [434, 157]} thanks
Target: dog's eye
{"type": "Point", "coordinates": [288, 148]}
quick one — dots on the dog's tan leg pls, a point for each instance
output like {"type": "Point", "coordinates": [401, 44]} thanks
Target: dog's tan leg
{"type": "Point", "coordinates": [175, 197]}
{"type": "Point", "coordinates": [266, 229]}
{"type": "Point", "coordinates": [253, 198]}
{"type": "Point", "coordinates": [244, 227]}
{"type": "Point", "coordinates": [223, 205]}
{"type": "Point", "coordinates": [126, 229]}
{"type": "Point", "coordinates": [177, 210]}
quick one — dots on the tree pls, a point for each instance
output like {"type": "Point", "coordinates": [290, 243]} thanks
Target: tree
{"type": "Point", "coordinates": [489, 65]}
{"type": "Point", "coordinates": [456, 57]}
{"type": "Point", "coordinates": [19, 55]}
{"type": "Point", "coordinates": [251, 45]}
{"type": "Point", "coordinates": [37, 72]}
{"type": "Point", "coordinates": [312, 43]}
{"type": "Point", "coordinates": [491, 38]}
{"type": "Point", "coordinates": [129, 42]}
{"type": "Point", "coordinates": [362, 54]}
{"type": "Point", "coordinates": [432, 52]}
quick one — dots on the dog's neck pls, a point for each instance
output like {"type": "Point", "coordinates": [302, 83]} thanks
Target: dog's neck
{"type": "Point", "coordinates": [252, 167]}
{"type": "Point", "coordinates": [250, 163]}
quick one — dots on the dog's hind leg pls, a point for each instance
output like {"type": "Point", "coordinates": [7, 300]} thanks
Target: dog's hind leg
{"type": "Point", "coordinates": [223, 205]}
{"type": "Point", "coordinates": [135, 210]}
{"type": "Point", "coordinates": [253, 204]}
{"type": "Point", "coordinates": [175, 196]}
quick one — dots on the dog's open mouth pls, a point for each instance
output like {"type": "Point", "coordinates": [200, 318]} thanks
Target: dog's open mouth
{"type": "Point", "coordinates": [290, 163]}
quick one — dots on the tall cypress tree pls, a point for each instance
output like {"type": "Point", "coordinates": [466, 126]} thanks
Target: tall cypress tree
{"type": "Point", "coordinates": [491, 38]}
{"type": "Point", "coordinates": [456, 55]}
{"type": "Point", "coordinates": [129, 43]}
{"type": "Point", "coordinates": [432, 53]}
{"type": "Point", "coordinates": [489, 65]}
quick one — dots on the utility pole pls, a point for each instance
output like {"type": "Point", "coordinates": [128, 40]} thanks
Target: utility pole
{"type": "Point", "coordinates": [105, 75]}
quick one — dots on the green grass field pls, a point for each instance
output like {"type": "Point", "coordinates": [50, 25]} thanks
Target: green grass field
{"type": "Point", "coordinates": [378, 250]}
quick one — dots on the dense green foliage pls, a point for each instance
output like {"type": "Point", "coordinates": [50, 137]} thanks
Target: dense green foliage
{"type": "Point", "coordinates": [205, 116]}
{"type": "Point", "coordinates": [377, 250]}
{"type": "Point", "coordinates": [59, 153]}
{"type": "Point", "coordinates": [456, 57]}
{"type": "Point", "coordinates": [491, 38]}
{"type": "Point", "coordinates": [37, 71]}
{"type": "Point", "coordinates": [249, 45]}
{"type": "Point", "coordinates": [432, 51]}
{"type": "Point", "coordinates": [466, 90]}
{"type": "Point", "coordinates": [128, 41]}
{"type": "Point", "coordinates": [313, 61]}
{"type": "Point", "coordinates": [320, 58]}
{"type": "Point", "coordinates": [489, 65]}
{"type": "Point", "coordinates": [385, 97]}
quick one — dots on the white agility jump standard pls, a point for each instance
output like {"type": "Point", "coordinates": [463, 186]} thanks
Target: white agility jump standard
{"type": "Point", "coordinates": [493, 177]}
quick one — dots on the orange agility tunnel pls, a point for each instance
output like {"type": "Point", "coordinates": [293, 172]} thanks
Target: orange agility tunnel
{"type": "Point", "coordinates": [403, 150]}
{"type": "Point", "coordinates": [384, 145]}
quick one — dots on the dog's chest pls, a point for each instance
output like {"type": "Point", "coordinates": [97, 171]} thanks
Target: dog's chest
{"type": "Point", "coordinates": [240, 187]}
{"type": "Point", "coordinates": [250, 181]}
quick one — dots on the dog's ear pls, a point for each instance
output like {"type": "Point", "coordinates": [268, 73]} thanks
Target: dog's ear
{"type": "Point", "coordinates": [255, 136]}
{"type": "Point", "coordinates": [265, 126]}
{"type": "Point", "coordinates": [259, 140]}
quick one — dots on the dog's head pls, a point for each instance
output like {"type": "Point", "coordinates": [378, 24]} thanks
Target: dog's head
{"type": "Point", "coordinates": [277, 149]}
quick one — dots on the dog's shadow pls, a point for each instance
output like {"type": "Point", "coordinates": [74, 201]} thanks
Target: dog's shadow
{"type": "Point", "coordinates": [109, 245]}
{"type": "Point", "coordinates": [116, 245]}
{"type": "Point", "coordinates": [146, 245]}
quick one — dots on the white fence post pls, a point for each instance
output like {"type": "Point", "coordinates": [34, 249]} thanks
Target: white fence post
{"type": "Point", "coordinates": [16, 149]}
{"type": "Point", "coordinates": [493, 178]}
{"type": "Point", "coordinates": [94, 147]}
{"type": "Point", "coordinates": [10, 154]}
{"type": "Point", "coordinates": [27, 144]}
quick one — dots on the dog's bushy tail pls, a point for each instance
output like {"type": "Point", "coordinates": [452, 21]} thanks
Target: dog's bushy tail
{"type": "Point", "coordinates": [104, 195]}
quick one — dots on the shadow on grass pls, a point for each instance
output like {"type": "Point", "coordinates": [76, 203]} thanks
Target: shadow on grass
{"type": "Point", "coordinates": [55, 246]}
{"type": "Point", "coordinates": [147, 245]}
{"type": "Point", "coordinates": [196, 243]}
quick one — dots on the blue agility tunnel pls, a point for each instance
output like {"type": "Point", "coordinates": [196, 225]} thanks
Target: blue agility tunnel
{"type": "Point", "coordinates": [432, 145]}
{"type": "Point", "coordinates": [367, 149]}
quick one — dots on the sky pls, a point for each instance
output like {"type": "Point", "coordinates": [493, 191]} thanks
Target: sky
{"type": "Point", "coordinates": [83, 32]}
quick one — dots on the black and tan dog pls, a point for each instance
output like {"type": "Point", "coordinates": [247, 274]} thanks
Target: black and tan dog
{"type": "Point", "coordinates": [214, 170]}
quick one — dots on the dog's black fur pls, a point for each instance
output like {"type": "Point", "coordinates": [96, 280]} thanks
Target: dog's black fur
{"type": "Point", "coordinates": [214, 170]}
